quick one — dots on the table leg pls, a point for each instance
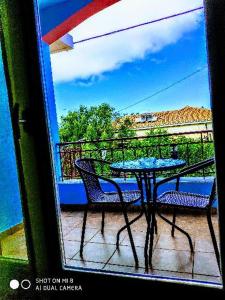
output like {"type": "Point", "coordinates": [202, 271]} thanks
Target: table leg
{"type": "Point", "coordinates": [143, 211]}
{"type": "Point", "coordinates": [152, 229]}
{"type": "Point", "coordinates": [143, 197]}
{"type": "Point", "coordinates": [151, 222]}
{"type": "Point", "coordinates": [149, 218]}
{"type": "Point", "coordinates": [155, 221]}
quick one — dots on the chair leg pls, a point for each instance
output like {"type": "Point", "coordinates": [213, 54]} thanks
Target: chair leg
{"type": "Point", "coordinates": [83, 231]}
{"type": "Point", "coordinates": [130, 236]}
{"type": "Point", "coordinates": [152, 228]}
{"type": "Point", "coordinates": [179, 229]}
{"type": "Point", "coordinates": [174, 221]}
{"type": "Point", "coordinates": [149, 222]}
{"type": "Point", "coordinates": [156, 226]}
{"type": "Point", "coordinates": [103, 222]}
{"type": "Point", "coordinates": [146, 245]}
{"type": "Point", "coordinates": [155, 222]}
{"type": "Point", "coordinates": [213, 237]}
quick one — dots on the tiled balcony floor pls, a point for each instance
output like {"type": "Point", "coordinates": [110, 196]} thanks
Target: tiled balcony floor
{"type": "Point", "coordinates": [171, 256]}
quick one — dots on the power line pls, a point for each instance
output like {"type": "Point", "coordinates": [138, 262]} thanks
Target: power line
{"type": "Point", "coordinates": [138, 25]}
{"type": "Point", "coordinates": [165, 89]}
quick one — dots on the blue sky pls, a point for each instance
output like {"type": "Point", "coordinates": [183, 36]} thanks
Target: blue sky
{"type": "Point", "coordinates": [138, 74]}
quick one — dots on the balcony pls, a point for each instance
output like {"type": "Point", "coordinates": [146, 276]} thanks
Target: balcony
{"type": "Point", "coordinates": [171, 257]}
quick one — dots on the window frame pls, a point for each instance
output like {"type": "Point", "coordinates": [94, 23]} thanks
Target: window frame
{"type": "Point", "coordinates": [22, 60]}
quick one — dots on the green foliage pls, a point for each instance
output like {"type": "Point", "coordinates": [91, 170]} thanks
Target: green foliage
{"type": "Point", "coordinates": [102, 123]}
{"type": "Point", "coordinates": [94, 123]}
{"type": "Point", "coordinates": [74, 125]}
{"type": "Point", "coordinates": [124, 129]}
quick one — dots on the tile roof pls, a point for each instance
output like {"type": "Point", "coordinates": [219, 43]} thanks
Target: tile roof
{"type": "Point", "coordinates": [185, 115]}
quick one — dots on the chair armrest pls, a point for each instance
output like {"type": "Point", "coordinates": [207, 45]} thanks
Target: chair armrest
{"type": "Point", "coordinates": [197, 164]}
{"type": "Point", "coordinates": [100, 161]}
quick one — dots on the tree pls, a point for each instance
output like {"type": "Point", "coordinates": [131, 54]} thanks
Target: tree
{"type": "Point", "coordinates": [125, 128]}
{"type": "Point", "coordinates": [88, 123]}
{"type": "Point", "coordinates": [74, 125]}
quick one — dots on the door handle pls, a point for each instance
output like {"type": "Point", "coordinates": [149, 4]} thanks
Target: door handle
{"type": "Point", "coordinates": [17, 121]}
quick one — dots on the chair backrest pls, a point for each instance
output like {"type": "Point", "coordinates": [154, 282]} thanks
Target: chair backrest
{"type": "Point", "coordinates": [204, 164]}
{"type": "Point", "coordinates": [197, 167]}
{"type": "Point", "coordinates": [212, 196]}
{"type": "Point", "coordinates": [87, 172]}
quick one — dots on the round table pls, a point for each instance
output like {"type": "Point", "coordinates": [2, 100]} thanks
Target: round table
{"type": "Point", "coordinates": [150, 164]}
{"type": "Point", "coordinates": [145, 170]}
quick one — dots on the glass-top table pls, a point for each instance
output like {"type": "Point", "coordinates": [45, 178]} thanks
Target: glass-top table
{"type": "Point", "coordinates": [150, 164]}
{"type": "Point", "coordinates": [145, 170]}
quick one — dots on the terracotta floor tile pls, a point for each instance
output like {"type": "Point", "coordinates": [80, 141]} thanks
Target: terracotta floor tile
{"type": "Point", "coordinates": [109, 237]}
{"type": "Point", "coordinates": [72, 213]}
{"type": "Point", "coordinates": [140, 224]}
{"type": "Point", "coordinates": [204, 245]}
{"type": "Point", "coordinates": [71, 248]}
{"type": "Point", "coordinates": [66, 230]}
{"type": "Point", "coordinates": [114, 225]}
{"type": "Point", "coordinates": [116, 221]}
{"type": "Point", "coordinates": [166, 241]}
{"type": "Point", "coordinates": [165, 228]}
{"type": "Point", "coordinates": [172, 260]}
{"type": "Point", "coordinates": [141, 271]}
{"type": "Point", "coordinates": [124, 257]}
{"type": "Point", "coordinates": [94, 220]}
{"type": "Point", "coordinates": [71, 222]}
{"type": "Point", "coordinates": [189, 223]}
{"type": "Point", "coordinates": [168, 274]}
{"type": "Point", "coordinates": [94, 252]}
{"type": "Point", "coordinates": [139, 239]}
{"type": "Point", "coordinates": [205, 264]}
{"type": "Point", "coordinates": [211, 279]}
{"type": "Point", "coordinates": [124, 269]}
{"type": "Point", "coordinates": [75, 234]}
{"type": "Point", "coordinates": [84, 264]}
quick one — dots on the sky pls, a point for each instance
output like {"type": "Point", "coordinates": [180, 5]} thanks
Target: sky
{"type": "Point", "coordinates": [124, 68]}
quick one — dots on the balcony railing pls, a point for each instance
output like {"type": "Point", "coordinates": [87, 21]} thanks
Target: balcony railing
{"type": "Point", "coordinates": [190, 146]}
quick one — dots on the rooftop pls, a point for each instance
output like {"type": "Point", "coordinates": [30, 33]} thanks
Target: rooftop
{"type": "Point", "coordinates": [185, 115]}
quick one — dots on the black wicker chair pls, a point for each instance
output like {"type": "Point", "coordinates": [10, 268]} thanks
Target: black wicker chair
{"type": "Point", "coordinates": [96, 195]}
{"type": "Point", "coordinates": [177, 199]}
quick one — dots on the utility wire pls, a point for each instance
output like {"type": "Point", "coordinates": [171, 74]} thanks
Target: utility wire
{"type": "Point", "coordinates": [165, 89]}
{"type": "Point", "coordinates": [138, 25]}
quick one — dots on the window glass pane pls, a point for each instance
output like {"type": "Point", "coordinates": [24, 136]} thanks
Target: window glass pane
{"type": "Point", "coordinates": [12, 237]}
{"type": "Point", "coordinates": [134, 91]}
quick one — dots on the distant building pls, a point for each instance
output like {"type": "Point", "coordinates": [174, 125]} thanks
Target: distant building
{"type": "Point", "coordinates": [186, 119]}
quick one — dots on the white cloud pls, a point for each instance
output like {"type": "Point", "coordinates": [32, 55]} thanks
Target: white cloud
{"type": "Point", "coordinates": [94, 58]}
